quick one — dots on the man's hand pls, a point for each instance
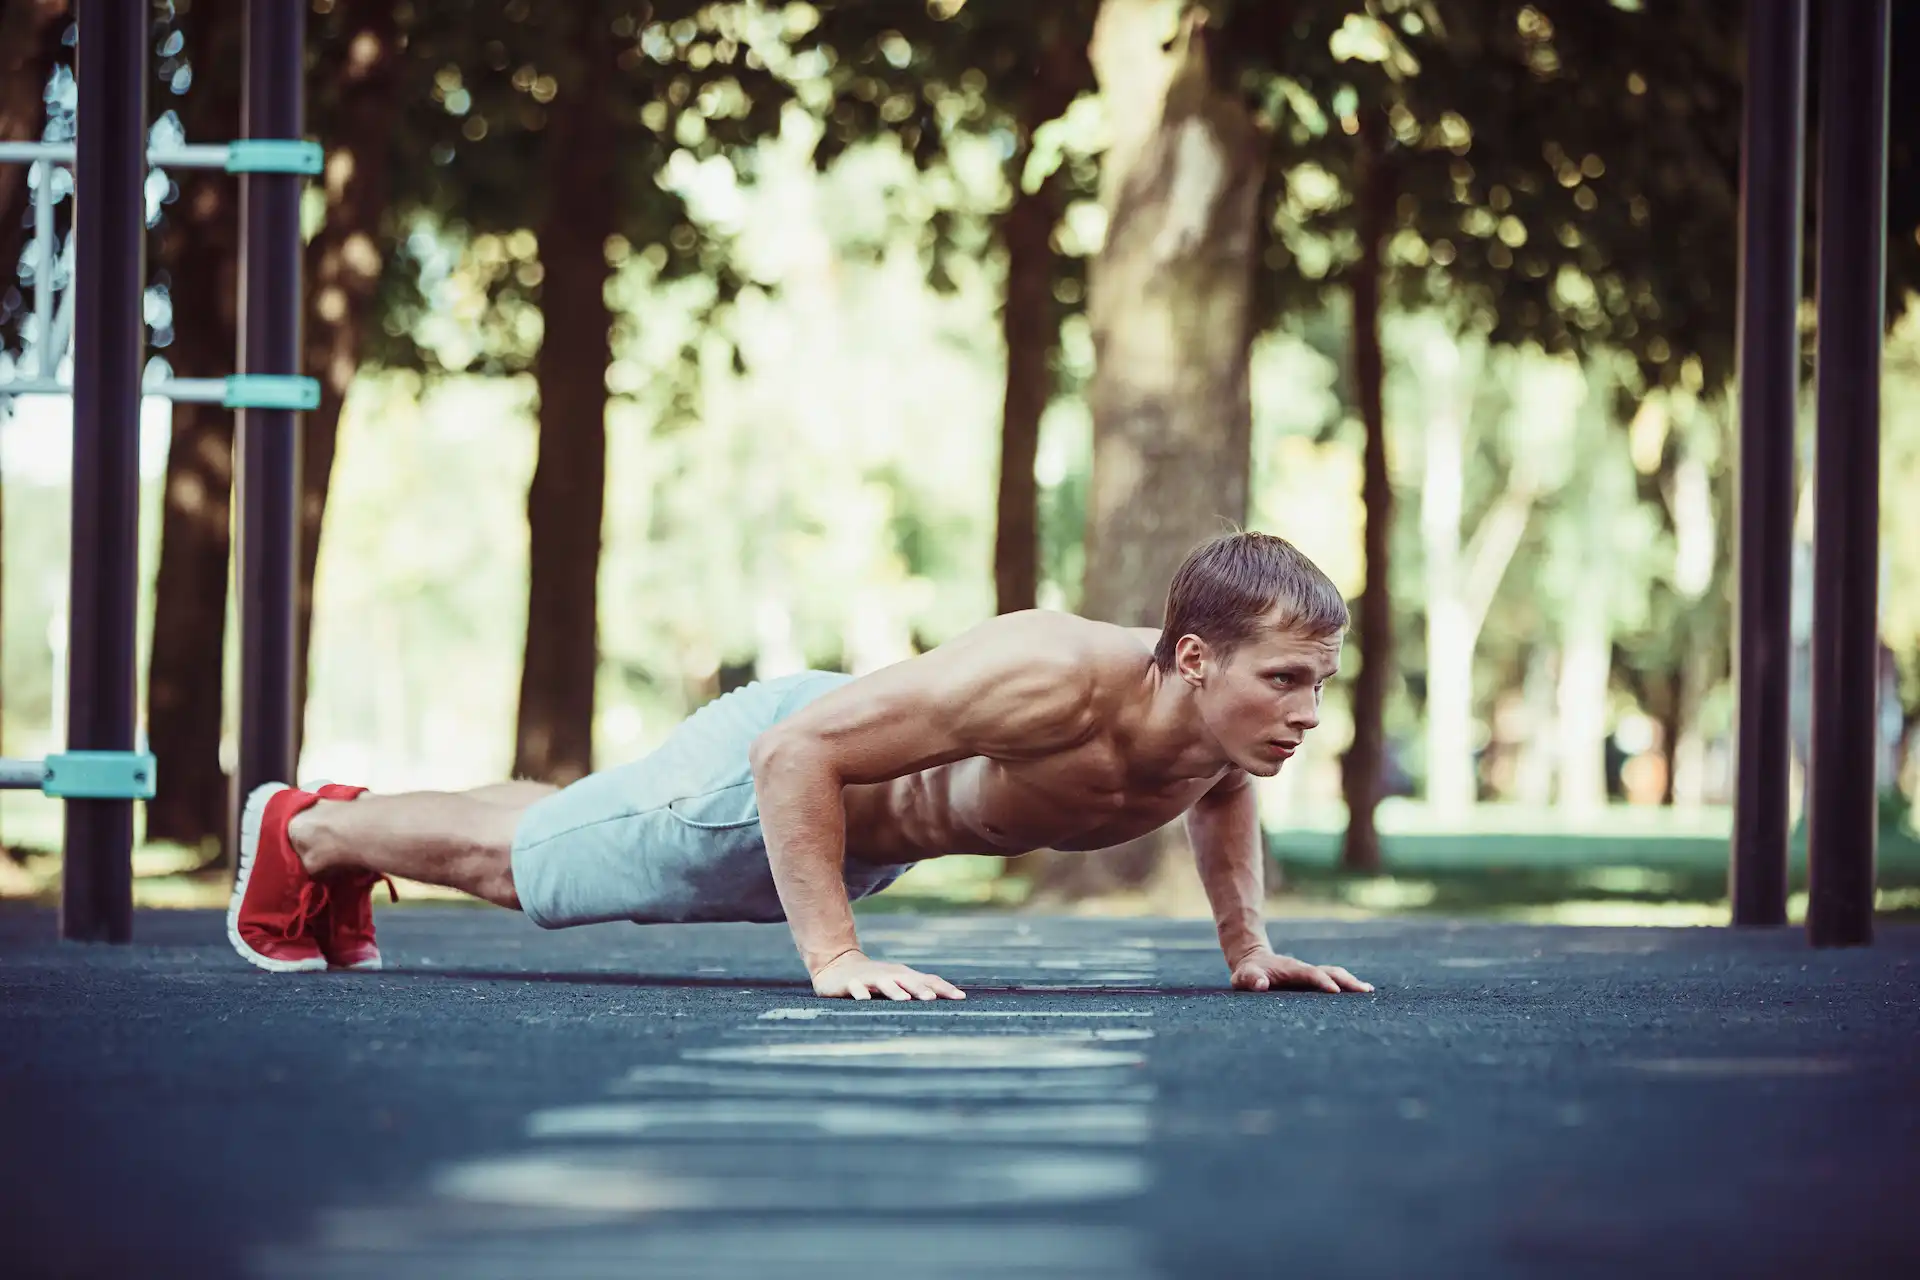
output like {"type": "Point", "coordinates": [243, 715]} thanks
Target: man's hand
{"type": "Point", "coordinates": [1262, 970]}
{"type": "Point", "coordinates": [854, 974]}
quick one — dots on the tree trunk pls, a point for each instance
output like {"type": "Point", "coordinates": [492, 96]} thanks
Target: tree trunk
{"type": "Point", "coordinates": [1169, 299]}
{"type": "Point", "coordinates": [1364, 766]}
{"type": "Point", "coordinates": [1028, 324]}
{"type": "Point", "coordinates": [343, 266]}
{"type": "Point", "coordinates": [1451, 788]}
{"type": "Point", "coordinates": [564, 505]}
{"type": "Point", "coordinates": [1589, 560]}
{"type": "Point", "coordinates": [185, 665]}
{"type": "Point", "coordinates": [1533, 776]}
{"type": "Point", "coordinates": [1586, 658]}
{"type": "Point", "coordinates": [1687, 748]}
{"type": "Point", "coordinates": [1461, 583]}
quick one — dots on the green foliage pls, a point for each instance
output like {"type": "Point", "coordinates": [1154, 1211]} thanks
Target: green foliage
{"type": "Point", "coordinates": [1567, 180]}
{"type": "Point", "coordinates": [930, 77]}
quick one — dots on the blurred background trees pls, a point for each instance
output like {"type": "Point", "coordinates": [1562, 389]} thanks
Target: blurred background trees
{"type": "Point", "coordinates": [664, 346]}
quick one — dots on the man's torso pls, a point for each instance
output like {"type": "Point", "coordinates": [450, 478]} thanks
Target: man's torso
{"type": "Point", "coordinates": [1088, 796]}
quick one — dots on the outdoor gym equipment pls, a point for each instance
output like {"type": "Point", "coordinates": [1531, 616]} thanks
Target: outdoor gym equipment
{"type": "Point", "coordinates": [103, 770]}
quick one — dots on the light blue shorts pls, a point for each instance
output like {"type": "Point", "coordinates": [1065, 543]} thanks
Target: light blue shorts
{"type": "Point", "coordinates": [674, 836]}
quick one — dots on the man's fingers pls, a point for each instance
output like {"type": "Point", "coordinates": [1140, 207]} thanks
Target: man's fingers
{"type": "Point", "coordinates": [1345, 979]}
{"type": "Point", "coordinates": [858, 991]}
{"type": "Point", "coordinates": [892, 990]}
{"type": "Point", "coordinates": [1261, 982]}
{"type": "Point", "coordinates": [946, 988]}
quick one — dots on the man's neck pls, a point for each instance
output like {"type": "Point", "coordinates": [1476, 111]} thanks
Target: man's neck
{"type": "Point", "coordinates": [1162, 735]}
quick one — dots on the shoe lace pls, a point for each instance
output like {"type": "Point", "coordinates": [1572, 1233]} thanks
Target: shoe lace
{"type": "Point", "coordinates": [358, 905]}
{"type": "Point", "coordinates": [312, 901]}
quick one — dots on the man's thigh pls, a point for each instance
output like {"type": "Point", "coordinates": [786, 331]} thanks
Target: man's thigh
{"type": "Point", "coordinates": [673, 836]}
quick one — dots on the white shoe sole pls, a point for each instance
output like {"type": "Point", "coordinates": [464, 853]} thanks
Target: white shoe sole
{"type": "Point", "coordinates": [250, 823]}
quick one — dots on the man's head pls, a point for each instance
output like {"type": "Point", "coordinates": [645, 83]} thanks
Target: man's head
{"type": "Point", "coordinates": [1255, 629]}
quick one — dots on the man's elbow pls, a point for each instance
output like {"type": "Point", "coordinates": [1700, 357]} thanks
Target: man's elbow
{"type": "Point", "coordinates": [780, 750]}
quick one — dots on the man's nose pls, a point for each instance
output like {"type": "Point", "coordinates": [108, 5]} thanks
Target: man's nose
{"type": "Point", "coordinates": [1304, 714]}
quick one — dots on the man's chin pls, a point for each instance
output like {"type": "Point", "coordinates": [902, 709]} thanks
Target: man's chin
{"type": "Point", "coordinates": [1263, 765]}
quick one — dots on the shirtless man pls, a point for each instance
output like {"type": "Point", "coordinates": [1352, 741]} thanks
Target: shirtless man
{"type": "Point", "coordinates": [788, 799]}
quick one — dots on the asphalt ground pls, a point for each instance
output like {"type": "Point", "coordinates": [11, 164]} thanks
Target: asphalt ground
{"type": "Point", "coordinates": [673, 1102]}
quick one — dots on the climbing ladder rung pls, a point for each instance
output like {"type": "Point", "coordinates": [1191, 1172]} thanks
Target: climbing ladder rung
{"type": "Point", "coordinates": [22, 775]}
{"type": "Point", "coordinates": [237, 391]}
{"type": "Point", "coordinates": [84, 775]}
{"type": "Point", "coordinates": [249, 155]}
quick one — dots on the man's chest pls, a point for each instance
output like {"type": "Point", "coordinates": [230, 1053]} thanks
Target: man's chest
{"type": "Point", "coordinates": [1082, 800]}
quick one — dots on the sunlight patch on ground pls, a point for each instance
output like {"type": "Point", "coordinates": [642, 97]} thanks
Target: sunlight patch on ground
{"type": "Point", "coordinates": [1385, 893]}
{"type": "Point", "coordinates": [1605, 914]}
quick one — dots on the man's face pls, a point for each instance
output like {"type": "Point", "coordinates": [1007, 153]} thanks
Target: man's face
{"type": "Point", "coordinates": [1262, 698]}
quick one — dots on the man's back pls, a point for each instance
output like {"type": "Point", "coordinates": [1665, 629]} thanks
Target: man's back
{"type": "Point", "coordinates": [1085, 788]}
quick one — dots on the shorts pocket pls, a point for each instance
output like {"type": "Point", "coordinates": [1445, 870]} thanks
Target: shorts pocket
{"type": "Point", "coordinates": [725, 809]}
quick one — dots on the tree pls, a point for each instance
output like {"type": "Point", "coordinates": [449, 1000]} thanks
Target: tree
{"type": "Point", "coordinates": [197, 256]}
{"type": "Point", "coordinates": [1029, 318]}
{"type": "Point", "coordinates": [1497, 128]}
{"type": "Point", "coordinates": [1170, 301]}
{"type": "Point", "coordinates": [361, 74]}
{"type": "Point", "coordinates": [1463, 574]}
{"type": "Point", "coordinates": [554, 738]}
{"type": "Point", "coordinates": [992, 67]}
{"type": "Point", "coordinates": [357, 67]}
{"type": "Point", "coordinates": [598, 99]}
{"type": "Point", "coordinates": [1363, 768]}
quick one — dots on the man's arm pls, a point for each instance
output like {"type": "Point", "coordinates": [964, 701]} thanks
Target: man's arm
{"type": "Point", "coordinates": [1011, 688]}
{"type": "Point", "coordinates": [1224, 828]}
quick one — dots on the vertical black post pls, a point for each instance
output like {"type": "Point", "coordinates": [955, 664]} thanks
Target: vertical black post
{"type": "Point", "coordinates": [1842, 820]}
{"type": "Point", "coordinates": [1771, 176]}
{"type": "Point", "coordinates": [268, 476]}
{"type": "Point", "coordinates": [110, 206]}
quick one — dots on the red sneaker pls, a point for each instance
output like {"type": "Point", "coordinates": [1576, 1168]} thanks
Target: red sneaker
{"type": "Point", "coordinates": [275, 902]}
{"type": "Point", "coordinates": [345, 927]}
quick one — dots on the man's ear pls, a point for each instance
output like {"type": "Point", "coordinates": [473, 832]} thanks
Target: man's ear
{"type": "Point", "coordinates": [1193, 659]}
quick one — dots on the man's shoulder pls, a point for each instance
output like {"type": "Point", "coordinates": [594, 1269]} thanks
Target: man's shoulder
{"type": "Point", "coordinates": [1066, 641]}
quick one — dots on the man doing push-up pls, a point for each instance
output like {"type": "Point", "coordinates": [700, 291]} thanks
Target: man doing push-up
{"type": "Point", "coordinates": [790, 798]}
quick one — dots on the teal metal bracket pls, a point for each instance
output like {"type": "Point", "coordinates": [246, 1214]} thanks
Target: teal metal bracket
{"type": "Point", "coordinates": [271, 391]}
{"type": "Point", "coordinates": [274, 155]}
{"type": "Point", "coordinates": [101, 775]}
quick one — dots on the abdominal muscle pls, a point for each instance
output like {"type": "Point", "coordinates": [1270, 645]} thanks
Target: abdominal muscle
{"type": "Point", "coordinates": [1077, 800]}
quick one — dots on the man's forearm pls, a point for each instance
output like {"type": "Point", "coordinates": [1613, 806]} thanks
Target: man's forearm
{"type": "Point", "coordinates": [804, 823]}
{"type": "Point", "coordinates": [1228, 851]}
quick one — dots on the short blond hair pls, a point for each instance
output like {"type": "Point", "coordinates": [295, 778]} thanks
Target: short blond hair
{"type": "Point", "coordinates": [1232, 584]}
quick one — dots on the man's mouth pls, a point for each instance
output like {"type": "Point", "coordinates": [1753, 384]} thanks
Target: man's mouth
{"type": "Point", "coordinates": [1282, 748]}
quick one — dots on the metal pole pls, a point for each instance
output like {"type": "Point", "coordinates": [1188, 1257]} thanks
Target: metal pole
{"type": "Point", "coordinates": [194, 155]}
{"type": "Point", "coordinates": [1842, 820]}
{"type": "Point", "coordinates": [268, 478]}
{"type": "Point", "coordinates": [110, 204]}
{"type": "Point", "coordinates": [1773, 150]}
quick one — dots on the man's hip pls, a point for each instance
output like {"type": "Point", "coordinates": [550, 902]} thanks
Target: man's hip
{"type": "Point", "coordinates": [673, 837]}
